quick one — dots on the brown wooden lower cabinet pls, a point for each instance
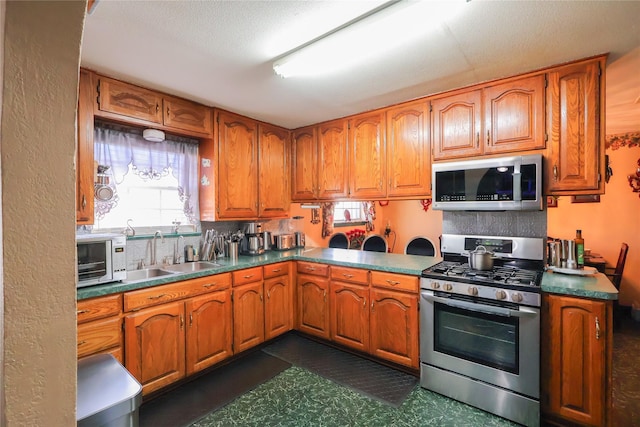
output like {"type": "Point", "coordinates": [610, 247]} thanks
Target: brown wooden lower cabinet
{"type": "Point", "coordinates": [576, 361]}
{"type": "Point", "coordinates": [278, 309]}
{"type": "Point", "coordinates": [394, 327]}
{"type": "Point", "coordinates": [313, 305]}
{"type": "Point", "coordinates": [350, 315]}
{"type": "Point", "coordinates": [248, 316]}
{"type": "Point", "coordinates": [100, 326]}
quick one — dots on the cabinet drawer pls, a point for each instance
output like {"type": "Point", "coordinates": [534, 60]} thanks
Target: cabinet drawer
{"type": "Point", "coordinates": [100, 335]}
{"type": "Point", "coordinates": [313, 268]}
{"type": "Point", "coordinates": [278, 269]}
{"type": "Point", "coordinates": [394, 281]}
{"type": "Point", "coordinates": [98, 308]}
{"type": "Point", "coordinates": [248, 275]}
{"type": "Point", "coordinates": [136, 300]}
{"type": "Point", "coordinates": [353, 275]}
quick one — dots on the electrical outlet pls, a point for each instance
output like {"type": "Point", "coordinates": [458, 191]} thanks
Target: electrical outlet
{"type": "Point", "coordinates": [387, 231]}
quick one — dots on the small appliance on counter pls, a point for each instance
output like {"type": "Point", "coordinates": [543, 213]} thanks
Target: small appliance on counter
{"type": "Point", "coordinates": [299, 239]}
{"type": "Point", "coordinates": [253, 241]}
{"type": "Point", "coordinates": [283, 242]}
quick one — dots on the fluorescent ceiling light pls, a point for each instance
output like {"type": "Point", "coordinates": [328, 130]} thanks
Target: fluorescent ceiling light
{"type": "Point", "coordinates": [374, 33]}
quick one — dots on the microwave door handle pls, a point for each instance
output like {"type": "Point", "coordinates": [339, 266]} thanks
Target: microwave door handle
{"type": "Point", "coordinates": [498, 311]}
{"type": "Point", "coordinates": [517, 180]}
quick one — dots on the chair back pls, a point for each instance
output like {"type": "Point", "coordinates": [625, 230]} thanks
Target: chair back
{"type": "Point", "coordinates": [616, 277]}
{"type": "Point", "coordinates": [420, 246]}
{"type": "Point", "coordinates": [375, 243]}
{"type": "Point", "coordinates": [339, 241]}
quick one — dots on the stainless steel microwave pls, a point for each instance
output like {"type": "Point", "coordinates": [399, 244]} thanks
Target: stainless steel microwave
{"type": "Point", "coordinates": [494, 184]}
{"type": "Point", "coordinates": [101, 258]}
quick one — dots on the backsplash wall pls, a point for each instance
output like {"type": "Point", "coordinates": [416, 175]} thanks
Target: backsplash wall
{"type": "Point", "coordinates": [507, 223]}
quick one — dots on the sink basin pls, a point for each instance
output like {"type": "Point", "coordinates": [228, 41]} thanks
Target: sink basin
{"type": "Point", "coordinates": [147, 273]}
{"type": "Point", "coordinates": [190, 267]}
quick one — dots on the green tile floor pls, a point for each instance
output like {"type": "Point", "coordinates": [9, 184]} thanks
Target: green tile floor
{"type": "Point", "coordinates": [297, 397]}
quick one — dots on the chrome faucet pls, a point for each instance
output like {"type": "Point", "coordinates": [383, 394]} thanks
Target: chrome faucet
{"type": "Point", "coordinates": [155, 246]}
{"type": "Point", "coordinates": [176, 252]}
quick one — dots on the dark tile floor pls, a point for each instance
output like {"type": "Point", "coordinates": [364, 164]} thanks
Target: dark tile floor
{"type": "Point", "coordinates": [263, 390]}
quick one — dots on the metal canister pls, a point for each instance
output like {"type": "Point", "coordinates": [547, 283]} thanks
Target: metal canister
{"type": "Point", "coordinates": [555, 254]}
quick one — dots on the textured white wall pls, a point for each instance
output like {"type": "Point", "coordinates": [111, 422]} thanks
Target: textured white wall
{"type": "Point", "coordinates": [41, 62]}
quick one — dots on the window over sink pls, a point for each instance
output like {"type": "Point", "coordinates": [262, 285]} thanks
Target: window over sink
{"type": "Point", "coordinates": [153, 184]}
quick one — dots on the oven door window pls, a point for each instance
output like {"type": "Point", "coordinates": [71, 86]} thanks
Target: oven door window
{"type": "Point", "coordinates": [92, 260]}
{"type": "Point", "coordinates": [486, 339]}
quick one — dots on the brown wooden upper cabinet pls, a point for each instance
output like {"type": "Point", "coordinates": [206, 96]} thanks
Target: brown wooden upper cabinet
{"type": "Point", "coordinates": [118, 100]}
{"type": "Point", "coordinates": [85, 169]}
{"type": "Point", "coordinates": [319, 162]}
{"type": "Point", "coordinates": [408, 150]}
{"type": "Point", "coordinates": [502, 118]}
{"type": "Point", "coordinates": [575, 163]}
{"type": "Point", "coordinates": [253, 171]}
{"type": "Point", "coordinates": [367, 156]}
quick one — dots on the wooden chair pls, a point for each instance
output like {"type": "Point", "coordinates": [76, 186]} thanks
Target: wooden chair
{"type": "Point", "coordinates": [420, 246]}
{"type": "Point", "coordinates": [375, 243]}
{"type": "Point", "coordinates": [615, 275]}
{"type": "Point", "coordinates": [339, 240]}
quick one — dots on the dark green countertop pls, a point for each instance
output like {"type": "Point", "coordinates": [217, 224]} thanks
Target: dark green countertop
{"type": "Point", "coordinates": [393, 263]}
{"type": "Point", "coordinates": [596, 286]}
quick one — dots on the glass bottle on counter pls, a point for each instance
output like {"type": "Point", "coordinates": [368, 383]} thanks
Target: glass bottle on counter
{"type": "Point", "coordinates": [579, 249]}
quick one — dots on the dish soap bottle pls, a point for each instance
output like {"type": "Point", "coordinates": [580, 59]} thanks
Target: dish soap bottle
{"type": "Point", "coordinates": [579, 249]}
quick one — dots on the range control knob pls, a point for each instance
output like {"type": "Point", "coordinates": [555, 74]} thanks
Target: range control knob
{"type": "Point", "coordinates": [473, 291]}
{"type": "Point", "coordinates": [517, 297]}
{"type": "Point", "coordinates": [435, 285]}
{"type": "Point", "coordinates": [448, 286]}
{"type": "Point", "coordinates": [501, 294]}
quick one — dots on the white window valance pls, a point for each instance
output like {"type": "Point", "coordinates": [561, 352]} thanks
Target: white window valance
{"type": "Point", "coordinates": [118, 147]}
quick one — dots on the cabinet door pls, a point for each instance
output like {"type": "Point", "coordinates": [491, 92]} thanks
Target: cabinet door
{"type": "Point", "coordinates": [350, 315]}
{"type": "Point", "coordinates": [304, 164]}
{"type": "Point", "coordinates": [367, 156]}
{"type": "Point", "coordinates": [514, 115]}
{"type": "Point", "coordinates": [575, 117]}
{"type": "Point", "coordinates": [273, 171]}
{"type": "Point", "coordinates": [394, 327]}
{"type": "Point", "coordinates": [85, 169]}
{"type": "Point", "coordinates": [408, 150]}
{"type": "Point", "coordinates": [154, 345]}
{"type": "Point", "coordinates": [182, 114]}
{"type": "Point", "coordinates": [128, 100]}
{"type": "Point", "coordinates": [457, 125]}
{"type": "Point", "coordinates": [248, 316]}
{"type": "Point", "coordinates": [576, 333]}
{"type": "Point", "coordinates": [237, 167]}
{"type": "Point", "coordinates": [313, 305]}
{"type": "Point", "coordinates": [278, 310]}
{"type": "Point", "coordinates": [332, 160]}
{"type": "Point", "coordinates": [209, 330]}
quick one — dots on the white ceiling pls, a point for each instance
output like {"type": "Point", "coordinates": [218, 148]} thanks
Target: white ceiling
{"type": "Point", "coordinates": [220, 53]}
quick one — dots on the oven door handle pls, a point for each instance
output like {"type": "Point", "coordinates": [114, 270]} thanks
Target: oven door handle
{"type": "Point", "coordinates": [481, 308]}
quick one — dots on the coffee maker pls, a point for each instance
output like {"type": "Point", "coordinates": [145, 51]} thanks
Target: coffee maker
{"type": "Point", "coordinates": [253, 241]}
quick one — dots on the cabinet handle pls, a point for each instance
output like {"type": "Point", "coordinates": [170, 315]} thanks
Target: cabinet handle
{"type": "Point", "coordinates": [261, 297]}
{"type": "Point", "coordinates": [324, 296]}
{"type": "Point", "coordinates": [597, 328]}
{"type": "Point", "coordinates": [190, 320]}
{"type": "Point", "coordinates": [81, 312]}
{"type": "Point", "coordinates": [348, 276]}
{"type": "Point", "coordinates": [84, 201]}
{"type": "Point", "coordinates": [364, 304]}
{"type": "Point", "coordinates": [81, 342]}
{"type": "Point", "coordinates": [268, 294]}
{"type": "Point", "coordinates": [167, 111]}
{"type": "Point", "coordinates": [157, 107]}
{"type": "Point", "coordinates": [209, 285]}
{"type": "Point", "coordinates": [181, 322]}
{"type": "Point", "coordinates": [392, 282]}
{"type": "Point", "coordinates": [248, 276]}
{"type": "Point", "coordinates": [311, 269]}
{"type": "Point", "coordinates": [488, 137]}
{"type": "Point", "coordinates": [478, 139]}
{"type": "Point", "coordinates": [276, 270]}
{"type": "Point", "coordinates": [156, 297]}
{"type": "Point", "coordinates": [371, 305]}
{"type": "Point", "coordinates": [555, 172]}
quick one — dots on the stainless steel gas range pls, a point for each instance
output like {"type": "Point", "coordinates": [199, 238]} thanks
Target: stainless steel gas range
{"type": "Point", "coordinates": [480, 330]}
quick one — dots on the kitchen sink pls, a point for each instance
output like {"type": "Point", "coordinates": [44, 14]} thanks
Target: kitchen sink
{"type": "Point", "coordinates": [146, 273]}
{"type": "Point", "coordinates": [190, 267]}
